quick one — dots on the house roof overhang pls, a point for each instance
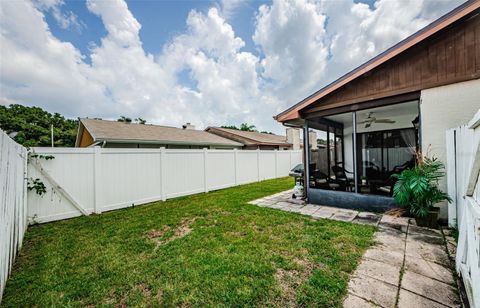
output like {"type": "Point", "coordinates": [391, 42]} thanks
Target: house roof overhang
{"type": "Point", "coordinates": [169, 142]}
{"type": "Point", "coordinates": [293, 114]}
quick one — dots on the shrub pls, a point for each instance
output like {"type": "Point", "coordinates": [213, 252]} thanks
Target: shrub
{"type": "Point", "coordinates": [417, 188]}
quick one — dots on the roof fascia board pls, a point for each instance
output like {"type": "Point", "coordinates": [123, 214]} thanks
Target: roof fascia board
{"type": "Point", "coordinates": [79, 132]}
{"type": "Point", "coordinates": [166, 142]}
{"type": "Point", "coordinates": [253, 141]}
{"type": "Point", "coordinates": [91, 133]}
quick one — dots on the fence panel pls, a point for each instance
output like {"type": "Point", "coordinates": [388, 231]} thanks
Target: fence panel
{"type": "Point", "coordinates": [185, 172]}
{"type": "Point", "coordinates": [463, 165]}
{"type": "Point", "coordinates": [268, 165]}
{"type": "Point", "coordinates": [220, 169]}
{"type": "Point", "coordinates": [284, 162]}
{"type": "Point", "coordinates": [107, 179]}
{"type": "Point", "coordinates": [13, 206]}
{"type": "Point", "coordinates": [73, 170]}
{"type": "Point", "coordinates": [247, 170]}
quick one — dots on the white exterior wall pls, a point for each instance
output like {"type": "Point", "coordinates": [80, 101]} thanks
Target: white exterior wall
{"type": "Point", "coordinates": [443, 108]}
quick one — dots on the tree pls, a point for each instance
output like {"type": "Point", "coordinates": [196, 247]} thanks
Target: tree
{"type": "Point", "coordinates": [31, 126]}
{"type": "Point", "coordinates": [140, 121]}
{"type": "Point", "coordinates": [229, 127]}
{"type": "Point", "coordinates": [124, 119]}
{"type": "Point", "coordinates": [247, 128]}
{"type": "Point", "coordinates": [243, 127]}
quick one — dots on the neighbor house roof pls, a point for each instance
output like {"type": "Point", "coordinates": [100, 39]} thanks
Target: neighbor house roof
{"type": "Point", "coordinates": [413, 40]}
{"type": "Point", "coordinates": [121, 132]}
{"type": "Point", "coordinates": [250, 138]}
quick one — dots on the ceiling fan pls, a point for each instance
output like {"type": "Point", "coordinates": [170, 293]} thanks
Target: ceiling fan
{"type": "Point", "coordinates": [371, 119]}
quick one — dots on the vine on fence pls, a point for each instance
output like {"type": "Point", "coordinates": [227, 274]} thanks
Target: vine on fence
{"type": "Point", "coordinates": [37, 184]}
{"type": "Point", "coordinates": [35, 156]}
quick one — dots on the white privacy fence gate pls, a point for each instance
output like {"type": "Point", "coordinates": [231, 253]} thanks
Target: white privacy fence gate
{"type": "Point", "coordinates": [92, 180]}
{"type": "Point", "coordinates": [13, 206]}
{"type": "Point", "coordinates": [463, 166]}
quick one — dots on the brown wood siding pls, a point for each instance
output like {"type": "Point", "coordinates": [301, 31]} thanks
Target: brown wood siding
{"type": "Point", "coordinates": [451, 55]}
{"type": "Point", "coordinates": [86, 139]}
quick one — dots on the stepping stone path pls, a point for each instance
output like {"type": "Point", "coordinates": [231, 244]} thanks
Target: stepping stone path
{"type": "Point", "coordinates": [408, 266]}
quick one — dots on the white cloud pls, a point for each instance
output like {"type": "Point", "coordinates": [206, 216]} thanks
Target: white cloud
{"type": "Point", "coordinates": [292, 36]}
{"type": "Point", "coordinates": [65, 20]}
{"type": "Point", "coordinates": [122, 27]}
{"type": "Point", "coordinates": [37, 68]}
{"type": "Point", "coordinates": [307, 44]}
{"type": "Point", "coordinates": [229, 7]}
{"type": "Point", "coordinates": [302, 45]}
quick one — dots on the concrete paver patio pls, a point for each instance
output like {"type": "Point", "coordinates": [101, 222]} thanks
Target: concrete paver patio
{"type": "Point", "coordinates": [407, 267]}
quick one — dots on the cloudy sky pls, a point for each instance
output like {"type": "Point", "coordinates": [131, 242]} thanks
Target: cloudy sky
{"type": "Point", "coordinates": [205, 62]}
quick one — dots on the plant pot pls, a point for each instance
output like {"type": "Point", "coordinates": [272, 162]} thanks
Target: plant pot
{"type": "Point", "coordinates": [429, 221]}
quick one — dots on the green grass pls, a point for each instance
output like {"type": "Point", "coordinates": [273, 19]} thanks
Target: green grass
{"type": "Point", "coordinates": [235, 255]}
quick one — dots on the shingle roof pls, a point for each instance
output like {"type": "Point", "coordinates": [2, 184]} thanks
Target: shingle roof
{"type": "Point", "coordinates": [251, 138]}
{"type": "Point", "coordinates": [124, 132]}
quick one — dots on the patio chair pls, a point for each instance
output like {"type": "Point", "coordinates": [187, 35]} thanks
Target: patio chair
{"type": "Point", "coordinates": [390, 183]}
{"type": "Point", "coordinates": [341, 178]}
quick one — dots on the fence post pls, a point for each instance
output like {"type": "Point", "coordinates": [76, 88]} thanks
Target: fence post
{"type": "Point", "coordinates": [205, 166]}
{"type": "Point", "coordinates": [97, 166]}
{"type": "Point", "coordinates": [276, 160]}
{"type": "Point", "coordinates": [163, 176]}
{"type": "Point", "coordinates": [235, 165]}
{"type": "Point", "coordinates": [25, 194]}
{"type": "Point", "coordinates": [258, 165]}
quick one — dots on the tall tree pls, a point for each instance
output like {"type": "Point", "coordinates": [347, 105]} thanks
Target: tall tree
{"type": "Point", "coordinates": [244, 127]}
{"type": "Point", "coordinates": [124, 119]}
{"type": "Point", "coordinates": [140, 121]}
{"type": "Point", "coordinates": [31, 126]}
{"type": "Point", "coordinates": [248, 128]}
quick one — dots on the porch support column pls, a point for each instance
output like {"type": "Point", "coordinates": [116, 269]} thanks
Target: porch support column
{"type": "Point", "coordinates": [306, 160]}
{"type": "Point", "coordinates": [354, 123]}
{"type": "Point", "coordinates": [329, 159]}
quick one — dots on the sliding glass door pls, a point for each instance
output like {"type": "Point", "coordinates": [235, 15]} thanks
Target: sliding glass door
{"type": "Point", "coordinates": [380, 154]}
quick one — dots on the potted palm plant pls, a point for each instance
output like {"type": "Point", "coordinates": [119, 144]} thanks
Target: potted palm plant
{"type": "Point", "coordinates": [417, 190]}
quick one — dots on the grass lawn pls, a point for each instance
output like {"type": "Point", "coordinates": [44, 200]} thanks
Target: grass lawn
{"type": "Point", "coordinates": [202, 250]}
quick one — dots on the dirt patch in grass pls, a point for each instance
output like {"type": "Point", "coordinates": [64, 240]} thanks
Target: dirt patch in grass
{"type": "Point", "coordinates": [158, 236]}
{"type": "Point", "coordinates": [290, 280]}
{"type": "Point", "coordinates": [154, 234]}
{"type": "Point", "coordinates": [144, 289]}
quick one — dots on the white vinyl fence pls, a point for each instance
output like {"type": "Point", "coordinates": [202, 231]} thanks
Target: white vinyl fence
{"type": "Point", "coordinates": [463, 167]}
{"type": "Point", "coordinates": [81, 181]}
{"type": "Point", "coordinates": [13, 206]}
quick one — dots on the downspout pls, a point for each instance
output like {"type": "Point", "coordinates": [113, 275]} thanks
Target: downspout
{"type": "Point", "coordinates": [419, 130]}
